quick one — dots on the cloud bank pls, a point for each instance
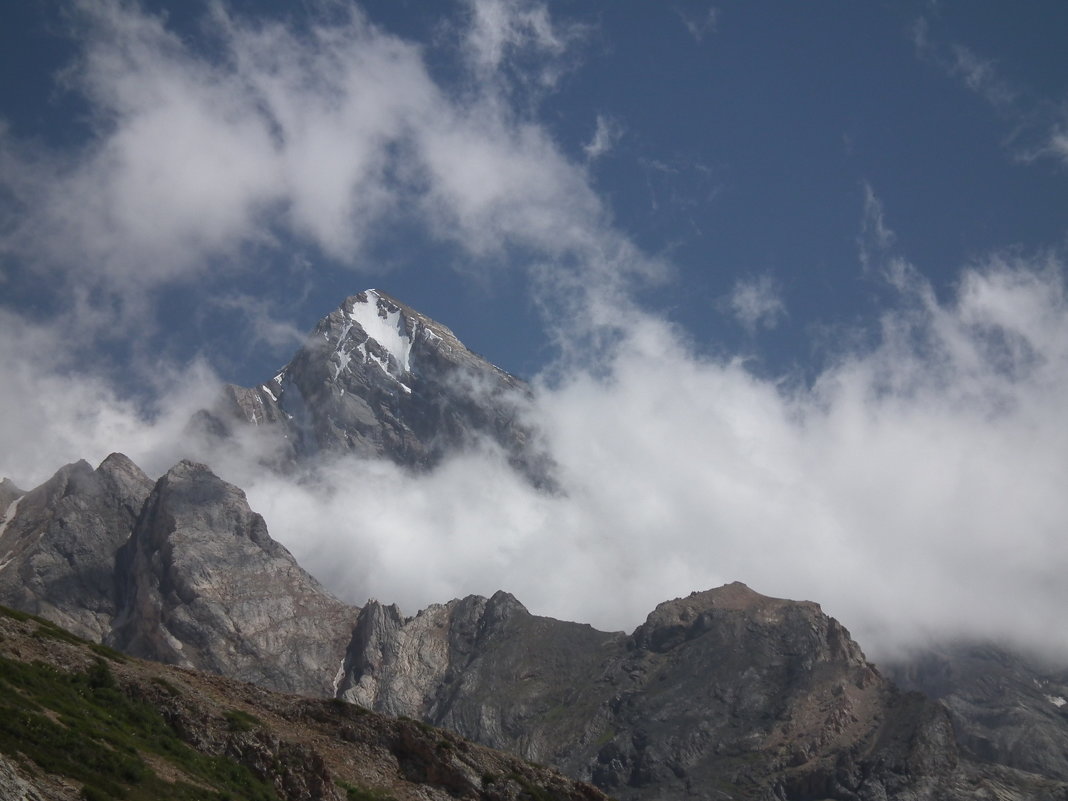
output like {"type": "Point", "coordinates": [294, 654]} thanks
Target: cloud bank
{"type": "Point", "coordinates": [915, 487]}
{"type": "Point", "coordinates": [915, 490]}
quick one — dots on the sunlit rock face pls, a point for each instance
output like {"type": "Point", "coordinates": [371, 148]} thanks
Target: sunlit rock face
{"type": "Point", "coordinates": [377, 378]}
{"type": "Point", "coordinates": [179, 570]}
{"type": "Point", "coordinates": [202, 584]}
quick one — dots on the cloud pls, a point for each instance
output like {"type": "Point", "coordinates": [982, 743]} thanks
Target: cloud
{"type": "Point", "coordinates": [912, 489]}
{"type": "Point", "coordinates": [756, 302]}
{"type": "Point", "coordinates": [981, 76]}
{"type": "Point", "coordinates": [266, 322]}
{"type": "Point", "coordinates": [876, 239]}
{"type": "Point", "coordinates": [1058, 144]}
{"type": "Point", "coordinates": [52, 413]}
{"type": "Point", "coordinates": [1038, 123]}
{"type": "Point", "coordinates": [607, 134]}
{"type": "Point", "coordinates": [322, 136]}
{"type": "Point", "coordinates": [179, 168]}
{"type": "Point", "coordinates": [518, 41]}
{"type": "Point", "coordinates": [699, 24]}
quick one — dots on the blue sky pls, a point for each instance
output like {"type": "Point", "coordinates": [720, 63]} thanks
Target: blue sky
{"type": "Point", "coordinates": [740, 143]}
{"type": "Point", "coordinates": [771, 266]}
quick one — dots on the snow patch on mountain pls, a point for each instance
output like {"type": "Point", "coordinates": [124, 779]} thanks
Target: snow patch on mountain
{"type": "Point", "coordinates": [343, 359]}
{"type": "Point", "coordinates": [9, 514]}
{"type": "Point", "coordinates": [384, 326]}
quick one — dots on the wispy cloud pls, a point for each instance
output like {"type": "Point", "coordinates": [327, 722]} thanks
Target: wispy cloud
{"type": "Point", "coordinates": [605, 136]}
{"type": "Point", "coordinates": [699, 24]}
{"type": "Point", "coordinates": [265, 320]}
{"type": "Point", "coordinates": [982, 77]}
{"type": "Point", "coordinates": [875, 240]}
{"type": "Point", "coordinates": [756, 302]}
{"type": "Point", "coordinates": [518, 40]}
{"type": "Point", "coordinates": [1038, 124]}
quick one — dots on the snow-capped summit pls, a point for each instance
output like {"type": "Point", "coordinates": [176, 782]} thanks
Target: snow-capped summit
{"type": "Point", "coordinates": [378, 378]}
{"type": "Point", "coordinates": [382, 322]}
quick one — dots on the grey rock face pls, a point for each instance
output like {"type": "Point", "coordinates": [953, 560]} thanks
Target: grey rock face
{"type": "Point", "coordinates": [202, 584]}
{"type": "Point", "coordinates": [58, 545]}
{"type": "Point", "coordinates": [1006, 708]}
{"type": "Point", "coordinates": [179, 571]}
{"type": "Point", "coordinates": [487, 667]}
{"type": "Point", "coordinates": [377, 378]}
{"type": "Point", "coordinates": [16, 786]}
{"type": "Point", "coordinates": [726, 692]}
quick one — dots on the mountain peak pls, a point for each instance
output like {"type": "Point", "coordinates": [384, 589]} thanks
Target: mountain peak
{"type": "Point", "coordinates": [377, 378]}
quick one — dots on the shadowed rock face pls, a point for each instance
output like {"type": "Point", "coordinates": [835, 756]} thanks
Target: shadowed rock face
{"type": "Point", "coordinates": [59, 543]}
{"type": "Point", "coordinates": [377, 378]}
{"type": "Point", "coordinates": [726, 694]}
{"type": "Point", "coordinates": [202, 584]}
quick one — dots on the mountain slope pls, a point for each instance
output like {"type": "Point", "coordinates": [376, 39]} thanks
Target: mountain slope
{"type": "Point", "coordinates": [1006, 708]}
{"type": "Point", "coordinates": [726, 691]}
{"type": "Point", "coordinates": [82, 722]}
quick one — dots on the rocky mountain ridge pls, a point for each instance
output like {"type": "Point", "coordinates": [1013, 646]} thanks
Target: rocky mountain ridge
{"type": "Point", "coordinates": [725, 694]}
